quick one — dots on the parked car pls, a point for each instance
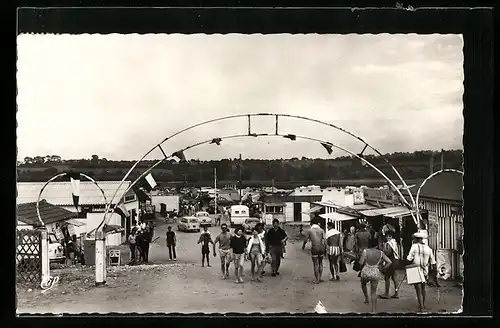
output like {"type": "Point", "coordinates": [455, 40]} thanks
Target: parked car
{"type": "Point", "coordinates": [56, 250]}
{"type": "Point", "coordinates": [204, 218]}
{"type": "Point", "coordinates": [249, 224]}
{"type": "Point", "coordinates": [188, 223]}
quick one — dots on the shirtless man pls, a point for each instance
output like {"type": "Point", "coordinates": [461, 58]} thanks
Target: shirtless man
{"type": "Point", "coordinates": [318, 244]}
{"type": "Point", "coordinates": [224, 239]}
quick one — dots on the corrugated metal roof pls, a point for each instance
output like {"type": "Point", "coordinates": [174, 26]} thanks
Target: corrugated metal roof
{"type": "Point", "coordinates": [59, 193]}
{"type": "Point", "coordinates": [50, 213]}
{"type": "Point", "coordinates": [360, 207]}
{"type": "Point", "coordinates": [444, 186]}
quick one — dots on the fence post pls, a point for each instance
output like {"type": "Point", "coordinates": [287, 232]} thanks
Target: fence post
{"type": "Point", "coordinates": [45, 255]}
{"type": "Point", "coordinates": [100, 258]}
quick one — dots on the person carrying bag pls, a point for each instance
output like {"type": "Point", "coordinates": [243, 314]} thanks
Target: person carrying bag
{"type": "Point", "coordinates": [421, 257]}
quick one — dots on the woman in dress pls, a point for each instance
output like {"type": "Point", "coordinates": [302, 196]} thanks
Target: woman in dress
{"type": "Point", "coordinates": [371, 261]}
{"type": "Point", "coordinates": [256, 250]}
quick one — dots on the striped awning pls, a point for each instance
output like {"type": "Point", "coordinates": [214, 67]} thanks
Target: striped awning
{"type": "Point", "coordinates": [392, 212]}
{"type": "Point", "coordinates": [74, 222]}
{"type": "Point", "coordinates": [336, 216]}
{"type": "Point", "coordinates": [313, 209]}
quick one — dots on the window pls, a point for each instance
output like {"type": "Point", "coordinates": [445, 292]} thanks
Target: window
{"type": "Point", "coordinates": [274, 209]}
{"type": "Point", "coordinates": [129, 198]}
{"type": "Point", "coordinates": [236, 212]}
{"type": "Point", "coordinates": [243, 212]}
{"type": "Point", "coordinates": [184, 220]}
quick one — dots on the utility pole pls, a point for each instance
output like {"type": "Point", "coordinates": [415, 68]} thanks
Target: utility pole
{"type": "Point", "coordinates": [240, 179]}
{"type": "Point", "coordinates": [215, 186]}
{"type": "Point", "coordinates": [272, 181]}
{"type": "Point", "coordinates": [442, 159]}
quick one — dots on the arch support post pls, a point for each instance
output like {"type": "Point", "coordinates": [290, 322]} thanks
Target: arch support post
{"type": "Point", "coordinates": [44, 247]}
{"type": "Point", "coordinates": [100, 258]}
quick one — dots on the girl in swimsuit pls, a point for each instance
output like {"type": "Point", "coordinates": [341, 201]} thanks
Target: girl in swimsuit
{"type": "Point", "coordinates": [371, 260]}
{"type": "Point", "coordinates": [256, 250]}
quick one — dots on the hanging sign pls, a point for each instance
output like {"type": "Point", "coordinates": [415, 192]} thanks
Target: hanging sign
{"type": "Point", "coordinates": [59, 234]}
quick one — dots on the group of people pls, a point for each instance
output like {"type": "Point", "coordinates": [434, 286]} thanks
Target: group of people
{"type": "Point", "coordinates": [139, 239]}
{"type": "Point", "coordinates": [261, 248]}
{"type": "Point", "coordinates": [374, 254]}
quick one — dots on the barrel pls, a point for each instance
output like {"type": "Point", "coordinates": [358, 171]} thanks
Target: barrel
{"type": "Point", "coordinates": [89, 251]}
{"type": "Point", "coordinates": [446, 264]}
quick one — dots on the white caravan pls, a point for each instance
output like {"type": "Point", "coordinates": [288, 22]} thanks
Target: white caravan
{"type": "Point", "coordinates": [238, 214]}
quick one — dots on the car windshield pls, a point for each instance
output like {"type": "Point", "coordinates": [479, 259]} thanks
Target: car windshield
{"type": "Point", "coordinates": [52, 239]}
{"type": "Point", "coordinates": [251, 221]}
{"type": "Point", "coordinates": [202, 214]}
{"type": "Point", "coordinates": [193, 221]}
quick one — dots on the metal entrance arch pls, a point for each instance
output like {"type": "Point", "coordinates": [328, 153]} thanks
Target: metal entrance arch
{"type": "Point", "coordinates": [362, 159]}
{"type": "Point", "coordinates": [413, 204]}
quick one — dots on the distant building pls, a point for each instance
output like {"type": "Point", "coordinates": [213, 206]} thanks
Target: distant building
{"type": "Point", "coordinates": [301, 203]}
{"type": "Point", "coordinates": [273, 207]}
{"type": "Point", "coordinates": [91, 203]}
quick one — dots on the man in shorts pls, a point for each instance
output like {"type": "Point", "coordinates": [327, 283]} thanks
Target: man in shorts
{"type": "Point", "coordinates": [224, 240]}
{"type": "Point", "coordinates": [317, 237]}
{"type": "Point", "coordinates": [238, 248]}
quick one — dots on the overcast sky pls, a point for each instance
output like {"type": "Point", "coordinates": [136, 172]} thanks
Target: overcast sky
{"type": "Point", "coordinates": [118, 95]}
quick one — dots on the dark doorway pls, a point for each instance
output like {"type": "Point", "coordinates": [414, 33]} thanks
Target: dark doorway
{"type": "Point", "coordinates": [163, 209]}
{"type": "Point", "coordinates": [409, 228]}
{"type": "Point", "coordinates": [297, 212]}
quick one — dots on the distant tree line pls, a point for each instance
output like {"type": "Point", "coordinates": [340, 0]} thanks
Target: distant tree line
{"type": "Point", "coordinates": [414, 165]}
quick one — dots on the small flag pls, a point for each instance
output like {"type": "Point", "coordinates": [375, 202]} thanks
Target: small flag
{"type": "Point", "coordinates": [75, 187]}
{"type": "Point", "coordinates": [292, 137]}
{"type": "Point", "coordinates": [180, 155]}
{"type": "Point", "coordinates": [362, 162]}
{"type": "Point", "coordinates": [122, 210]}
{"type": "Point", "coordinates": [328, 147]}
{"type": "Point", "coordinates": [216, 141]}
{"type": "Point", "coordinates": [320, 308]}
{"type": "Point", "coordinates": [148, 183]}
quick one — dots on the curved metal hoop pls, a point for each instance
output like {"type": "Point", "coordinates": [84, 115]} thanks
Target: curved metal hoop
{"type": "Point", "coordinates": [414, 204]}
{"type": "Point", "coordinates": [273, 135]}
{"type": "Point", "coordinates": [427, 179]}
{"type": "Point", "coordinates": [54, 178]}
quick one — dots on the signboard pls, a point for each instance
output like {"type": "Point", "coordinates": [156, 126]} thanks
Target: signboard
{"type": "Point", "coordinates": [71, 230]}
{"type": "Point", "coordinates": [378, 194]}
{"type": "Point", "coordinates": [359, 196]}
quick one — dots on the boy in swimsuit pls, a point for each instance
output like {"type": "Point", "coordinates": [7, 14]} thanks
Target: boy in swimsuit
{"type": "Point", "coordinates": [224, 240]}
{"type": "Point", "coordinates": [205, 240]}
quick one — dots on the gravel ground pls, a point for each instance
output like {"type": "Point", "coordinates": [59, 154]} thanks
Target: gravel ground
{"type": "Point", "coordinates": [186, 287]}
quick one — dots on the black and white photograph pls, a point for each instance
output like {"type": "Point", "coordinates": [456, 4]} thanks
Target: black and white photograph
{"type": "Point", "coordinates": [240, 173]}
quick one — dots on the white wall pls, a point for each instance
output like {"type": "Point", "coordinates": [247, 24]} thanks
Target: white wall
{"type": "Point", "coordinates": [171, 201]}
{"type": "Point", "coordinates": [93, 220]}
{"type": "Point", "coordinates": [23, 226]}
{"type": "Point", "coordinates": [306, 207]}
{"type": "Point", "coordinates": [288, 212]}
